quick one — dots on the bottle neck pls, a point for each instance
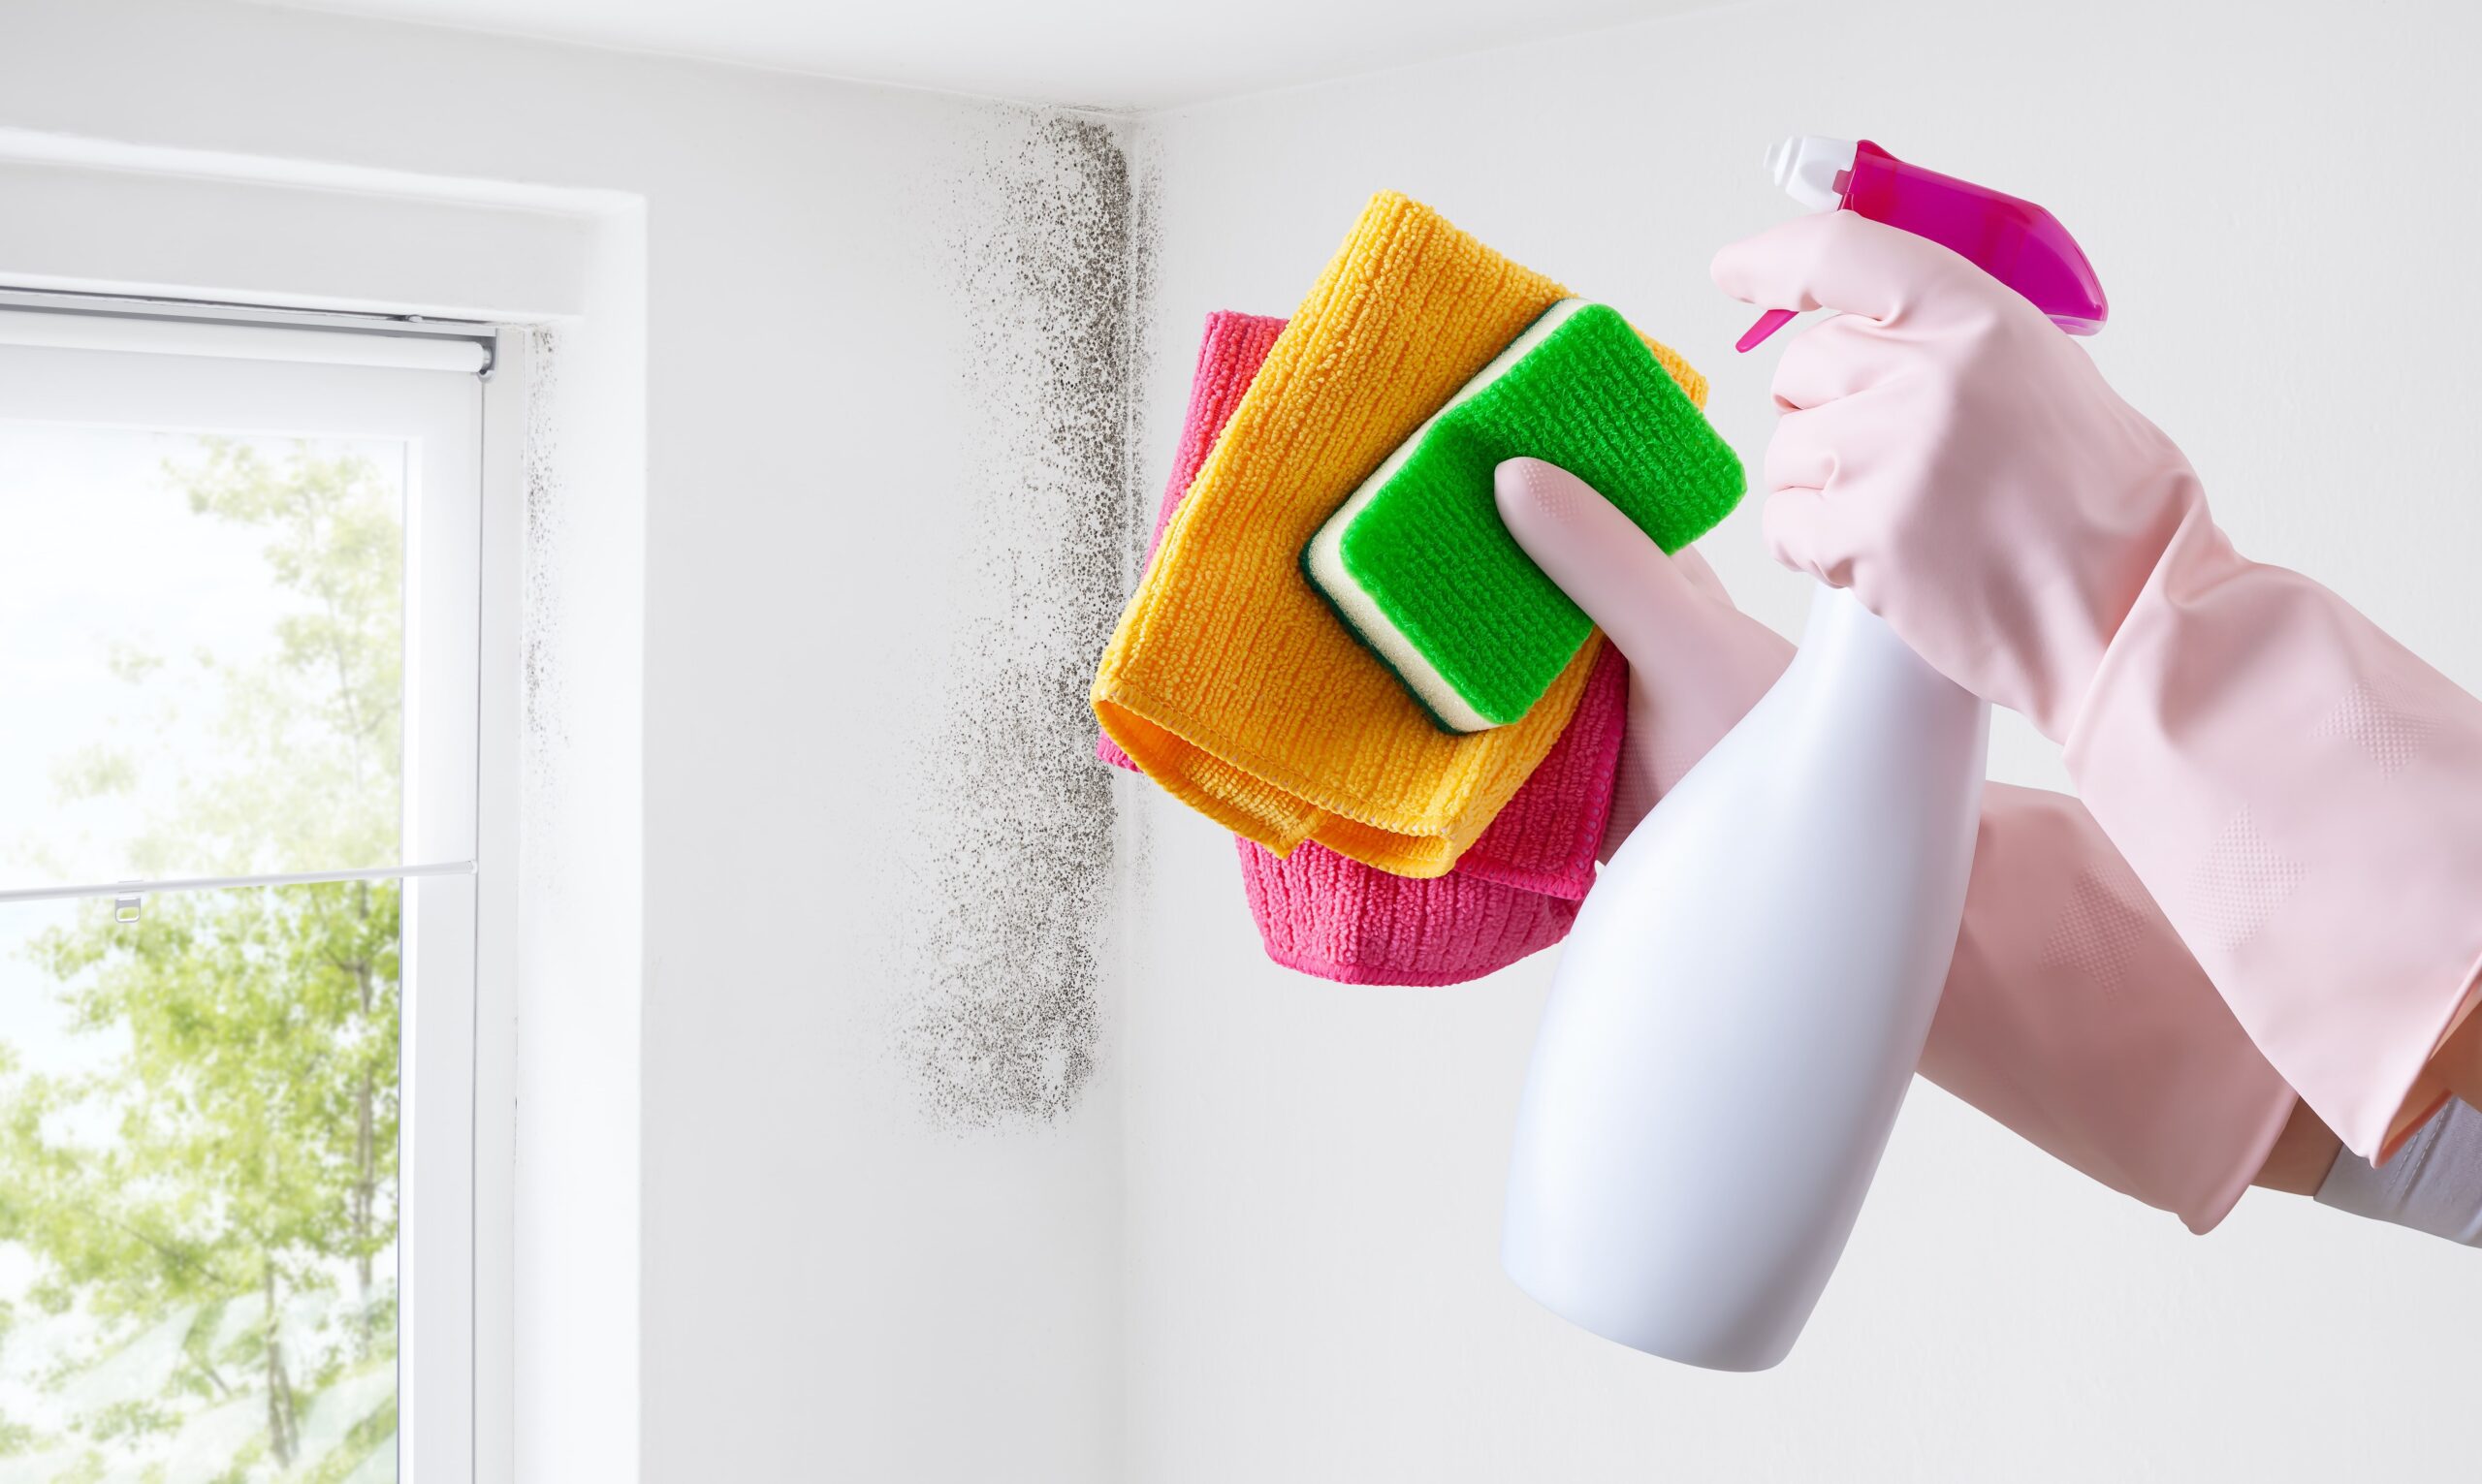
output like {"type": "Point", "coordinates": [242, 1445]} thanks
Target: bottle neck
{"type": "Point", "coordinates": [1845, 648]}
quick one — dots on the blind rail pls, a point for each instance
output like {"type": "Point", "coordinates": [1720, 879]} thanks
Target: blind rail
{"type": "Point", "coordinates": [67, 323]}
{"type": "Point", "coordinates": [229, 883]}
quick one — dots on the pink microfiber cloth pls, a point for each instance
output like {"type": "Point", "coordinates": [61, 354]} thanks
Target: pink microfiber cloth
{"type": "Point", "coordinates": [1512, 893]}
{"type": "Point", "coordinates": [1329, 915]}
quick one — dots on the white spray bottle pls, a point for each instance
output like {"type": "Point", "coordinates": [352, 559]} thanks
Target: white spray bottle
{"type": "Point", "coordinates": [1744, 997]}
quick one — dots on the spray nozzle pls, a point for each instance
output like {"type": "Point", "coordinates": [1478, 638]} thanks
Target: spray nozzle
{"type": "Point", "coordinates": [1810, 170]}
{"type": "Point", "coordinates": [2013, 240]}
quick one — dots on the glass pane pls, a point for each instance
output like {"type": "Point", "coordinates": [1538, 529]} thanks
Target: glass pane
{"type": "Point", "coordinates": [202, 651]}
{"type": "Point", "coordinates": [199, 1188]}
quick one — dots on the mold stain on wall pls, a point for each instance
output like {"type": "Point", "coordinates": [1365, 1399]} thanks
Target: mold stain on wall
{"type": "Point", "coordinates": [545, 736]}
{"type": "Point", "coordinates": [1010, 887]}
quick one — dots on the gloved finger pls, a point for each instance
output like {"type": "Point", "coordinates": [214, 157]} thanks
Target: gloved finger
{"type": "Point", "coordinates": [1800, 455]}
{"type": "Point", "coordinates": [1834, 259]}
{"type": "Point", "coordinates": [1832, 361]}
{"type": "Point", "coordinates": [1812, 447]}
{"type": "Point", "coordinates": [1808, 532]}
{"type": "Point", "coordinates": [1601, 560]}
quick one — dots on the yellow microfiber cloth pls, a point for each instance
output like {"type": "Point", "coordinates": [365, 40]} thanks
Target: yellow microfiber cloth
{"type": "Point", "coordinates": [1229, 679]}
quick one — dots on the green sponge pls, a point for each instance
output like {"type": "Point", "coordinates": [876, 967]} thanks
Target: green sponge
{"type": "Point", "coordinates": [1417, 564]}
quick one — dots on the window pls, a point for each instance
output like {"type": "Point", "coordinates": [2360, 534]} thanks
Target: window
{"type": "Point", "coordinates": [240, 645]}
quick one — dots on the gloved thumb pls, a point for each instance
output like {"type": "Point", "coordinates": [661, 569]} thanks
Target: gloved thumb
{"type": "Point", "coordinates": [1680, 634]}
{"type": "Point", "coordinates": [1600, 558]}
{"type": "Point", "coordinates": [1695, 663]}
{"type": "Point", "coordinates": [1700, 576]}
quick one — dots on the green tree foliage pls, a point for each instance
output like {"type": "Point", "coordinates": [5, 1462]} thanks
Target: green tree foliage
{"type": "Point", "coordinates": [239, 1151]}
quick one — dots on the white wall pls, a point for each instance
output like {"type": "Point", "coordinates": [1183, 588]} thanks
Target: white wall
{"type": "Point", "coordinates": [2277, 197]}
{"type": "Point", "coordinates": [912, 1209]}
{"type": "Point", "coordinates": [839, 1273]}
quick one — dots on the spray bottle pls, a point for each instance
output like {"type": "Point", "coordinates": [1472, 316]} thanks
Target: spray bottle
{"type": "Point", "coordinates": [1744, 997]}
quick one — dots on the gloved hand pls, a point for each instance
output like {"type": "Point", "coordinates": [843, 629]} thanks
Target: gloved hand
{"type": "Point", "coordinates": [1954, 458]}
{"type": "Point", "coordinates": [2300, 793]}
{"type": "Point", "coordinates": [2072, 1014]}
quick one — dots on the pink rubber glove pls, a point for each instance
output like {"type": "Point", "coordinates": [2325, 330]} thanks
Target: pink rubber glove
{"type": "Point", "coordinates": [2302, 794]}
{"type": "Point", "coordinates": [2072, 1014]}
{"type": "Point", "coordinates": [1942, 419]}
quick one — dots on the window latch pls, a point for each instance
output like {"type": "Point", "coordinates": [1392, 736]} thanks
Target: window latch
{"type": "Point", "coordinates": [128, 907]}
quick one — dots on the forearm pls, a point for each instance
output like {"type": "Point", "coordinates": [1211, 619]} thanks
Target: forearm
{"type": "Point", "coordinates": [2459, 1063]}
{"type": "Point", "coordinates": [2303, 1154]}
{"type": "Point", "coordinates": [2076, 1015]}
{"type": "Point", "coordinates": [2001, 973]}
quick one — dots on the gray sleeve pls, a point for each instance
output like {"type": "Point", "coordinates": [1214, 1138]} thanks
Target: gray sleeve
{"type": "Point", "coordinates": [2434, 1184]}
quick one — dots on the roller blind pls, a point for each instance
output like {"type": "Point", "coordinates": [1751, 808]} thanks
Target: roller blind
{"type": "Point", "coordinates": [331, 341]}
{"type": "Point", "coordinates": [239, 604]}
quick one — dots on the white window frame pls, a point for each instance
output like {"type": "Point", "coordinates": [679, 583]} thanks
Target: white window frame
{"type": "Point", "coordinates": [561, 262]}
{"type": "Point", "coordinates": [217, 369]}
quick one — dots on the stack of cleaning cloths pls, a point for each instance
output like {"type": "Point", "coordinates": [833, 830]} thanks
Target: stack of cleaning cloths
{"type": "Point", "coordinates": [1374, 847]}
{"type": "Point", "coordinates": [1514, 894]}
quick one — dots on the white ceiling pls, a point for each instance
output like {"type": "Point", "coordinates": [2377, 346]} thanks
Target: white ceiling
{"type": "Point", "coordinates": [1099, 53]}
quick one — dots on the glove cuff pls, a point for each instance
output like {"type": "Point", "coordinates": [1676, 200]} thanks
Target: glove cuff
{"type": "Point", "coordinates": [2300, 793]}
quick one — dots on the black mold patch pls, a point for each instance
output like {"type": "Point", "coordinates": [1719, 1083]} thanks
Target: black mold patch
{"type": "Point", "coordinates": [1011, 882]}
{"type": "Point", "coordinates": [545, 722]}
